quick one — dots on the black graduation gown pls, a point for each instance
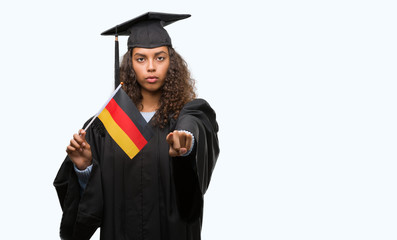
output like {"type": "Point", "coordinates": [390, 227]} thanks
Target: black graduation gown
{"type": "Point", "coordinates": [149, 197]}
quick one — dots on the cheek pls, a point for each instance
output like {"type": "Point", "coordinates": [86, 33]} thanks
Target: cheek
{"type": "Point", "coordinates": [137, 70]}
{"type": "Point", "coordinates": [164, 70]}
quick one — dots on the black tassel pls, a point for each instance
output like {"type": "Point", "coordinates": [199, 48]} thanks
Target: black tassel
{"type": "Point", "coordinates": [116, 62]}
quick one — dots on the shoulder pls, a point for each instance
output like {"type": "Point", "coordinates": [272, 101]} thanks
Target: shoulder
{"type": "Point", "coordinates": [199, 104]}
{"type": "Point", "coordinates": [202, 110]}
{"type": "Point", "coordinates": [96, 128]}
{"type": "Point", "coordinates": [197, 101]}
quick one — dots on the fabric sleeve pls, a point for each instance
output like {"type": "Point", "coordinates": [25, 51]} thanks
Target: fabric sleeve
{"type": "Point", "coordinates": [83, 176]}
{"type": "Point", "coordinates": [193, 173]}
{"type": "Point", "coordinates": [82, 213]}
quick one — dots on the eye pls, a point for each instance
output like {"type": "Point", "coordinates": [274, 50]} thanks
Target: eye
{"type": "Point", "coordinates": [140, 59]}
{"type": "Point", "coordinates": [160, 58]}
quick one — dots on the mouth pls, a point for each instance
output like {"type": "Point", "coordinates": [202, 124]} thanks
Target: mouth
{"type": "Point", "coordinates": [152, 79]}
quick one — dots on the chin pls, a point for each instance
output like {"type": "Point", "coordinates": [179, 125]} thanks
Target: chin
{"type": "Point", "coordinates": [153, 90]}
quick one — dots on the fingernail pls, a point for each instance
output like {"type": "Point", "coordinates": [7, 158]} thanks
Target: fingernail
{"type": "Point", "coordinates": [183, 151]}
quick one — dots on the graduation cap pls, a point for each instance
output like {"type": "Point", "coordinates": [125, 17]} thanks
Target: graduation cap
{"type": "Point", "coordinates": [146, 31]}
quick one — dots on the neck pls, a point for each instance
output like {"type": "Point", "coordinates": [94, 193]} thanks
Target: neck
{"type": "Point", "coordinates": [150, 101]}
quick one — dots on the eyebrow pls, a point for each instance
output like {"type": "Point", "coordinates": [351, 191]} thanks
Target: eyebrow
{"type": "Point", "coordinates": [156, 54]}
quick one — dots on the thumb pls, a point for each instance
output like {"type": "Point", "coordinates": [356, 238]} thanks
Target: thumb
{"type": "Point", "coordinates": [82, 134]}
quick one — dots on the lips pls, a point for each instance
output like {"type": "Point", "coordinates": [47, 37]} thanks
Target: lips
{"type": "Point", "coordinates": [152, 79]}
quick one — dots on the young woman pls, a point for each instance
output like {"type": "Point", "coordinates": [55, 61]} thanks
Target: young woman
{"type": "Point", "coordinates": [158, 194]}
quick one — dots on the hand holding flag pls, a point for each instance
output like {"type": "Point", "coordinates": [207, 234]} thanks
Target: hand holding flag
{"type": "Point", "coordinates": [79, 151]}
{"type": "Point", "coordinates": [122, 121]}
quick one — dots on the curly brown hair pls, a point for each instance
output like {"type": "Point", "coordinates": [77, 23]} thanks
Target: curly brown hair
{"type": "Point", "coordinates": [177, 90]}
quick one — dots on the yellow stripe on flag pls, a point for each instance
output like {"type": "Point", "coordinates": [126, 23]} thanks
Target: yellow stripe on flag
{"type": "Point", "coordinates": [118, 135]}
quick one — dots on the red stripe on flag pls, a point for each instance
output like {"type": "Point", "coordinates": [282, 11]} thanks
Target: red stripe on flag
{"type": "Point", "coordinates": [126, 124]}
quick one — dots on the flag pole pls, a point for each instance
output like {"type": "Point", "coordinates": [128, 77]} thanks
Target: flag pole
{"type": "Point", "coordinates": [100, 110]}
{"type": "Point", "coordinates": [116, 78]}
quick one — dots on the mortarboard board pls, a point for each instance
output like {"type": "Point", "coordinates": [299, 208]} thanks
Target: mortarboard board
{"type": "Point", "coordinates": [146, 31]}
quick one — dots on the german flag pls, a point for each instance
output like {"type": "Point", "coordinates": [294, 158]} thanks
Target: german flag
{"type": "Point", "coordinates": [124, 123]}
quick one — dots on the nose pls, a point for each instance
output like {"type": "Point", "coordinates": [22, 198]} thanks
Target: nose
{"type": "Point", "coordinates": [151, 66]}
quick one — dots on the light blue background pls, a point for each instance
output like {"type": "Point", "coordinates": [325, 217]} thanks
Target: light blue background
{"type": "Point", "coordinates": [305, 94]}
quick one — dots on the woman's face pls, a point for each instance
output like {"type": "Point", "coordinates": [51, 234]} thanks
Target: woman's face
{"type": "Point", "coordinates": [150, 66]}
